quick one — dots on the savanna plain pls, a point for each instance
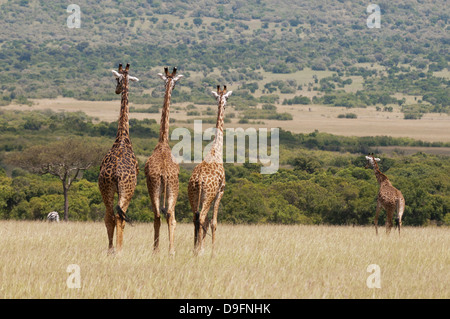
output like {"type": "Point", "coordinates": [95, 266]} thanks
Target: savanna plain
{"type": "Point", "coordinates": [249, 261]}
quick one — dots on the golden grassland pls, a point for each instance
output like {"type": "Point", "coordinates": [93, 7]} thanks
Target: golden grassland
{"type": "Point", "coordinates": [250, 261]}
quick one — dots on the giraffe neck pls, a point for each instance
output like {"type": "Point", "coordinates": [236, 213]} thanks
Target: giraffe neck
{"type": "Point", "coordinates": [380, 176]}
{"type": "Point", "coordinates": [216, 151]}
{"type": "Point", "coordinates": [124, 127]}
{"type": "Point", "coordinates": [164, 127]}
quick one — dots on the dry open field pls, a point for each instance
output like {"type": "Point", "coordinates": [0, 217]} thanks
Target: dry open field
{"type": "Point", "coordinates": [259, 261]}
{"type": "Point", "coordinates": [433, 127]}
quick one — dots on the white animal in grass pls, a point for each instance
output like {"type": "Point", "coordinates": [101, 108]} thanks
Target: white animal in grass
{"type": "Point", "coordinates": [53, 217]}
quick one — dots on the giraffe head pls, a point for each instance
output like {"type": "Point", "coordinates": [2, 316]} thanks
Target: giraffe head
{"type": "Point", "coordinates": [122, 74]}
{"type": "Point", "coordinates": [371, 161]}
{"type": "Point", "coordinates": [222, 95]}
{"type": "Point", "coordinates": [170, 79]}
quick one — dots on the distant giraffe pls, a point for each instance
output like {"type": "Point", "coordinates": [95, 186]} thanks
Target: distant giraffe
{"type": "Point", "coordinates": [207, 182]}
{"type": "Point", "coordinates": [161, 170]}
{"type": "Point", "coordinates": [119, 168]}
{"type": "Point", "coordinates": [389, 198]}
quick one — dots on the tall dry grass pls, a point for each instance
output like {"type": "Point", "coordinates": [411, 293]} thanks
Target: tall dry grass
{"type": "Point", "coordinates": [264, 261]}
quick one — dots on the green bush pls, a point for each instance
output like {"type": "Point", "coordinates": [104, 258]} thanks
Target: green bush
{"type": "Point", "coordinates": [347, 116]}
{"type": "Point", "coordinates": [297, 100]}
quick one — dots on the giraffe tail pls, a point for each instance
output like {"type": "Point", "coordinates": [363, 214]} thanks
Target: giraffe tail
{"type": "Point", "coordinates": [197, 212]}
{"type": "Point", "coordinates": [400, 209]}
{"type": "Point", "coordinates": [163, 209]}
{"type": "Point", "coordinates": [396, 217]}
{"type": "Point", "coordinates": [200, 184]}
{"type": "Point", "coordinates": [123, 215]}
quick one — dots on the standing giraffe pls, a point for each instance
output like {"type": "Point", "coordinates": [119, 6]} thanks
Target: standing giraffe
{"type": "Point", "coordinates": [161, 170]}
{"type": "Point", "coordinates": [207, 182]}
{"type": "Point", "coordinates": [389, 198]}
{"type": "Point", "coordinates": [119, 168]}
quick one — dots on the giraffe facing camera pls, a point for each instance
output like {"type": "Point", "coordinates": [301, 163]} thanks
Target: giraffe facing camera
{"type": "Point", "coordinates": [120, 75]}
{"type": "Point", "coordinates": [207, 182]}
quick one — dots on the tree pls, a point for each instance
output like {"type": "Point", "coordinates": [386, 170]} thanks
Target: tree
{"type": "Point", "coordinates": [197, 21]}
{"type": "Point", "coordinates": [65, 159]}
{"type": "Point", "coordinates": [306, 163]}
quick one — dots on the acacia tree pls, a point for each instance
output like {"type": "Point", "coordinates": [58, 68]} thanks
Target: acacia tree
{"type": "Point", "coordinates": [65, 159]}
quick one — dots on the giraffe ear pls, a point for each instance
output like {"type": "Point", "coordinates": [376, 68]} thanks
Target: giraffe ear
{"type": "Point", "coordinates": [228, 94]}
{"type": "Point", "coordinates": [367, 158]}
{"type": "Point", "coordinates": [377, 159]}
{"type": "Point", "coordinates": [215, 94]}
{"type": "Point", "coordinates": [116, 74]}
{"type": "Point", "coordinates": [162, 76]}
{"type": "Point", "coordinates": [178, 77]}
{"type": "Point", "coordinates": [132, 78]}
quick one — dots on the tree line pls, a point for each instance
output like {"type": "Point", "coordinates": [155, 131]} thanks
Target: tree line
{"type": "Point", "coordinates": [316, 183]}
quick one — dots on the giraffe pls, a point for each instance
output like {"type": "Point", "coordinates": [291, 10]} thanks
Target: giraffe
{"type": "Point", "coordinates": [119, 168]}
{"type": "Point", "coordinates": [389, 198]}
{"type": "Point", "coordinates": [207, 182]}
{"type": "Point", "coordinates": [161, 170]}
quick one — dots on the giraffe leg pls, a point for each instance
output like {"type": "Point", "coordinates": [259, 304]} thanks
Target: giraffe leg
{"type": "Point", "coordinates": [389, 224]}
{"type": "Point", "coordinates": [205, 227]}
{"type": "Point", "coordinates": [171, 221]}
{"type": "Point", "coordinates": [193, 189]}
{"type": "Point", "coordinates": [196, 227]}
{"type": "Point", "coordinates": [377, 213]}
{"type": "Point", "coordinates": [193, 200]}
{"type": "Point", "coordinates": [110, 225]}
{"type": "Point", "coordinates": [201, 222]}
{"type": "Point", "coordinates": [125, 192]}
{"type": "Point", "coordinates": [155, 192]}
{"type": "Point", "coordinates": [214, 219]}
{"type": "Point", "coordinates": [120, 223]}
{"type": "Point", "coordinates": [108, 200]}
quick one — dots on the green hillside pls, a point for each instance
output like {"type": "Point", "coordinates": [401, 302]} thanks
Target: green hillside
{"type": "Point", "coordinates": [235, 42]}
